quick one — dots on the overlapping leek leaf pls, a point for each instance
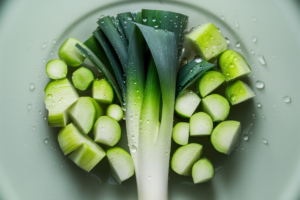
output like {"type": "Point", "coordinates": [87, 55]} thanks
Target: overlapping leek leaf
{"type": "Point", "coordinates": [120, 30]}
{"type": "Point", "coordinates": [112, 34]}
{"type": "Point", "coordinates": [112, 57]}
{"type": "Point", "coordinates": [190, 73]}
{"type": "Point", "coordinates": [90, 55]}
{"type": "Point", "coordinates": [94, 46]}
{"type": "Point", "coordinates": [126, 20]}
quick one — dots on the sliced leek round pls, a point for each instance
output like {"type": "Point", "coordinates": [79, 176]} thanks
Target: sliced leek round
{"type": "Point", "coordinates": [210, 81]}
{"type": "Point", "coordinates": [121, 163]}
{"type": "Point", "coordinates": [102, 91]}
{"type": "Point", "coordinates": [216, 106]}
{"type": "Point", "coordinates": [181, 133]}
{"type": "Point", "coordinates": [107, 131]}
{"type": "Point", "coordinates": [56, 69]}
{"type": "Point", "coordinates": [238, 91]}
{"type": "Point", "coordinates": [186, 103]}
{"type": "Point", "coordinates": [82, 78]}
{"type": "Point", "coordinates": [200, 124]}
{"type": "Point", "coordinates": [115, 111]}
{"type": "Point", "coordinates": [202, 171]}
{"type": "Point", "coordinates": [184, 158]}
{"type": "Point", "coordinates": [225, 136]}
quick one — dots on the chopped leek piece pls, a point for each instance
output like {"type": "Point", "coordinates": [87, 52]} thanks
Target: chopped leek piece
{"type": "Point", "coordinates": [225, 136]}
{"type": "Point", "coordinates": [121, 163]}
{"type": "Point", "coordinates": [115, 111]}
{"type": "Point", "coordinates": [84, 113]}
{"type": "Point", "coordinates": [184, 158]}
{"type": "Point", "coordinates": [186, 103]}
{"type": "Point", "coordinates": [181, 133]}
{"type": "Point", "coordinates": [202, 171]}
{"type": "Point", "coordinates": [70, 54]}
{"type": "Point", "coordinates": [200, 124]}
{"type": "Point", "coordinates": [59, 96]}
{"type": "Point", "coordinates": [87, 156]}
{"type": "Point", "coordinates": [102, 91]}
{"type": "Point", "coordinates": [216, 106]}
{"type": "Point", "coordinates": [207, 41]}
{"type": "Point", "coordinates": [56, 69]}
{"type": "Point", "coordinates": [210, 81]}
{"type": "Point", "coordinates": [107, 131]}
{"type": "Point", "coordinates": [82, 78]}
{"type": "Point", "coordinates": [233, 65]}
{"type": "Point", "coordinates": [238, 91]}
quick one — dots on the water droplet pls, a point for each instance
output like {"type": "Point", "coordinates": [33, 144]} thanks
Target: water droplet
{"type": "Point", "coordinates": [243, 148]}
{"type": "Point", "coordinates": [265, 141]}
{"type": "Point", "coordinates": [233, 97]}
{"type": "Point", "coordinates": [252, 52]}
{"type": "Point", "coordinates": [45, 118]}
{"type": "Point", "coordinates": [46, 141]}
{"type": "Point", "coordinates": [287, 99]}
{"type": "Point", "coordinates": [29, 106]}
{"type": "Point", "coordinates": [261, 59]}
{"type": "Point", "coordinates": [274, 105]}
{"type": "Point", "coordinates": [31, 86]}
{"type": "Point", "coordinates": [237, 44]}
{"type": "Point", "coordinates": [254, 19]}
{"type": "Point", "coordinates": [259, 84]}
{"type": "Point", "coordinates": [33, 127]}
{"type": "Point", "coordinates": [153, 20]}
{"type": "Point", "coordinates": [227, 40]}
{"type": "Point", "coordinates": [145, 19]}
{"type": "Point", "coordinates": [245, 137]}
{"type": "Point", "coordinates": [149, 177]}
{"type": "Point", "coordinates": [259, 105]}
{"type": "Point", "coordinates": [263, 117]}
{"type": "Point", "coordinates": [198, 59]}
{"type": "Point", "coordinates": [54, 41]}
{"type": "Point", "coordinates": [222, 17]}
{"type": "Point", "coordinates": [44, 45]}
{"type": "Point", "coordinates": [133, 148]}
{"type": "Point", "coordinates": [254, 39]}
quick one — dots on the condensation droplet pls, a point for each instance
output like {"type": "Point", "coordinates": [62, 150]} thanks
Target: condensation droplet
{"type": "Point", "coordinates": [245, 137]}
{"type": "Point", "coordinates": [133, 148]}
{"type": "Point", "coordinates": [31, 86]}
{"type": "Point", "coordinates": [254, 39]}
{"type": "Point", "coordinates": [287, 99]}
{"type": "Point", "coordinates": [259, 105]}
{"type": "Point", "coordinates": [198, 59]}
{"type": "Point", "coordinates": [44, 45]}
{"type": "Point", "coordinates": [237, 44]}
{"type": "Point", "coordinates": [265, 141]}
{"type": "Point", "coordinates": [252, 52]}
{"type": "Point", "coordinates": [46, 141]}
{"type": "Point", "coordinates": [227, 40]}
{"type": "Point", "coordinates": [259, 84]}
{"type": "Point", "coordinates": [29, 106]}
{"type": "Point", "coordinates": [222, 17]}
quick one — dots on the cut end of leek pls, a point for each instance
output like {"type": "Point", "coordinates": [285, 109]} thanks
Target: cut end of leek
{"type": "Point", "coordinates": [185, 157]}
{"type": "Point", "coordinates": [87, 156]}
{"type": "Point", "coordinates": [70, 138]}
{"type": "Point", "coordinates": [186, 103]}
{"type": "Point", "coordinates": [121, 163]}
{"type": "Point", "coordinates": [200, 124]}
{"type": "Point", "coordinates": [115, 111]}
{"type": "Point", "coordinates": [181, 133]}
{"type": "Point", "coordinates": [84, 113]}
{"type": "Point", "coordinates": [207, 41]}
{"type": "Point", "coordinates": [56, 69]}
{"type": "Point", "coordinates": [225, 136]}
{"type": "Point", "coordinates": [216, 106]}
{"type": "Point", "coordinates": [202, 171]}
{"type": "Point", "coordinates": [233, 65]}
{"type": "Point", "coordinates": [70, 54]}
{"type": "Point", "coordinates": [210, 81]}
{"type": "Point", "coordinates": [238, 91]}
{"type": "Point", "coordinates": [102, 91]}
{"type": "Point", "coordinates": [82, 78]}
{"type": "Point", "coordinates": [107, 131]}
{"type": "Point", "coordinates": [59, 95]}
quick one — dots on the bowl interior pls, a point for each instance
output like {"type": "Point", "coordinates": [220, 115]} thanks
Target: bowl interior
{"type": "Point", "coordinates": [32, 165]}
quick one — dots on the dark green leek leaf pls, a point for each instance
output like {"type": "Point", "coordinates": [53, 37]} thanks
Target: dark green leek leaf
{"type": "Point", "coordinates": [112, 57]}
{"type": "Point", "coordinates": [190, 72]}
{"type": "Point", "coordinates": [90, 55]}
{"type": "Point", "coordinates": [112, 34]}
{"type": "Point", "coordinates": [126, 20]}
{"type": "Point", "coordinates": [120, 30]}
{"type": "Point", "coordinates": [169, 21]}
{"type": "Point", "coordinates": [93, 45]}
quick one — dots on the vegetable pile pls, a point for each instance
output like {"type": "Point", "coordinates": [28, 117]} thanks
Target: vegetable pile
{"type": "Point", "coordinates": [140, 57]}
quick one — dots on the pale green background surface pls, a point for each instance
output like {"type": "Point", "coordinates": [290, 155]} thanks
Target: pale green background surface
{"type": "Point", "coordinates": [31, 170]}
